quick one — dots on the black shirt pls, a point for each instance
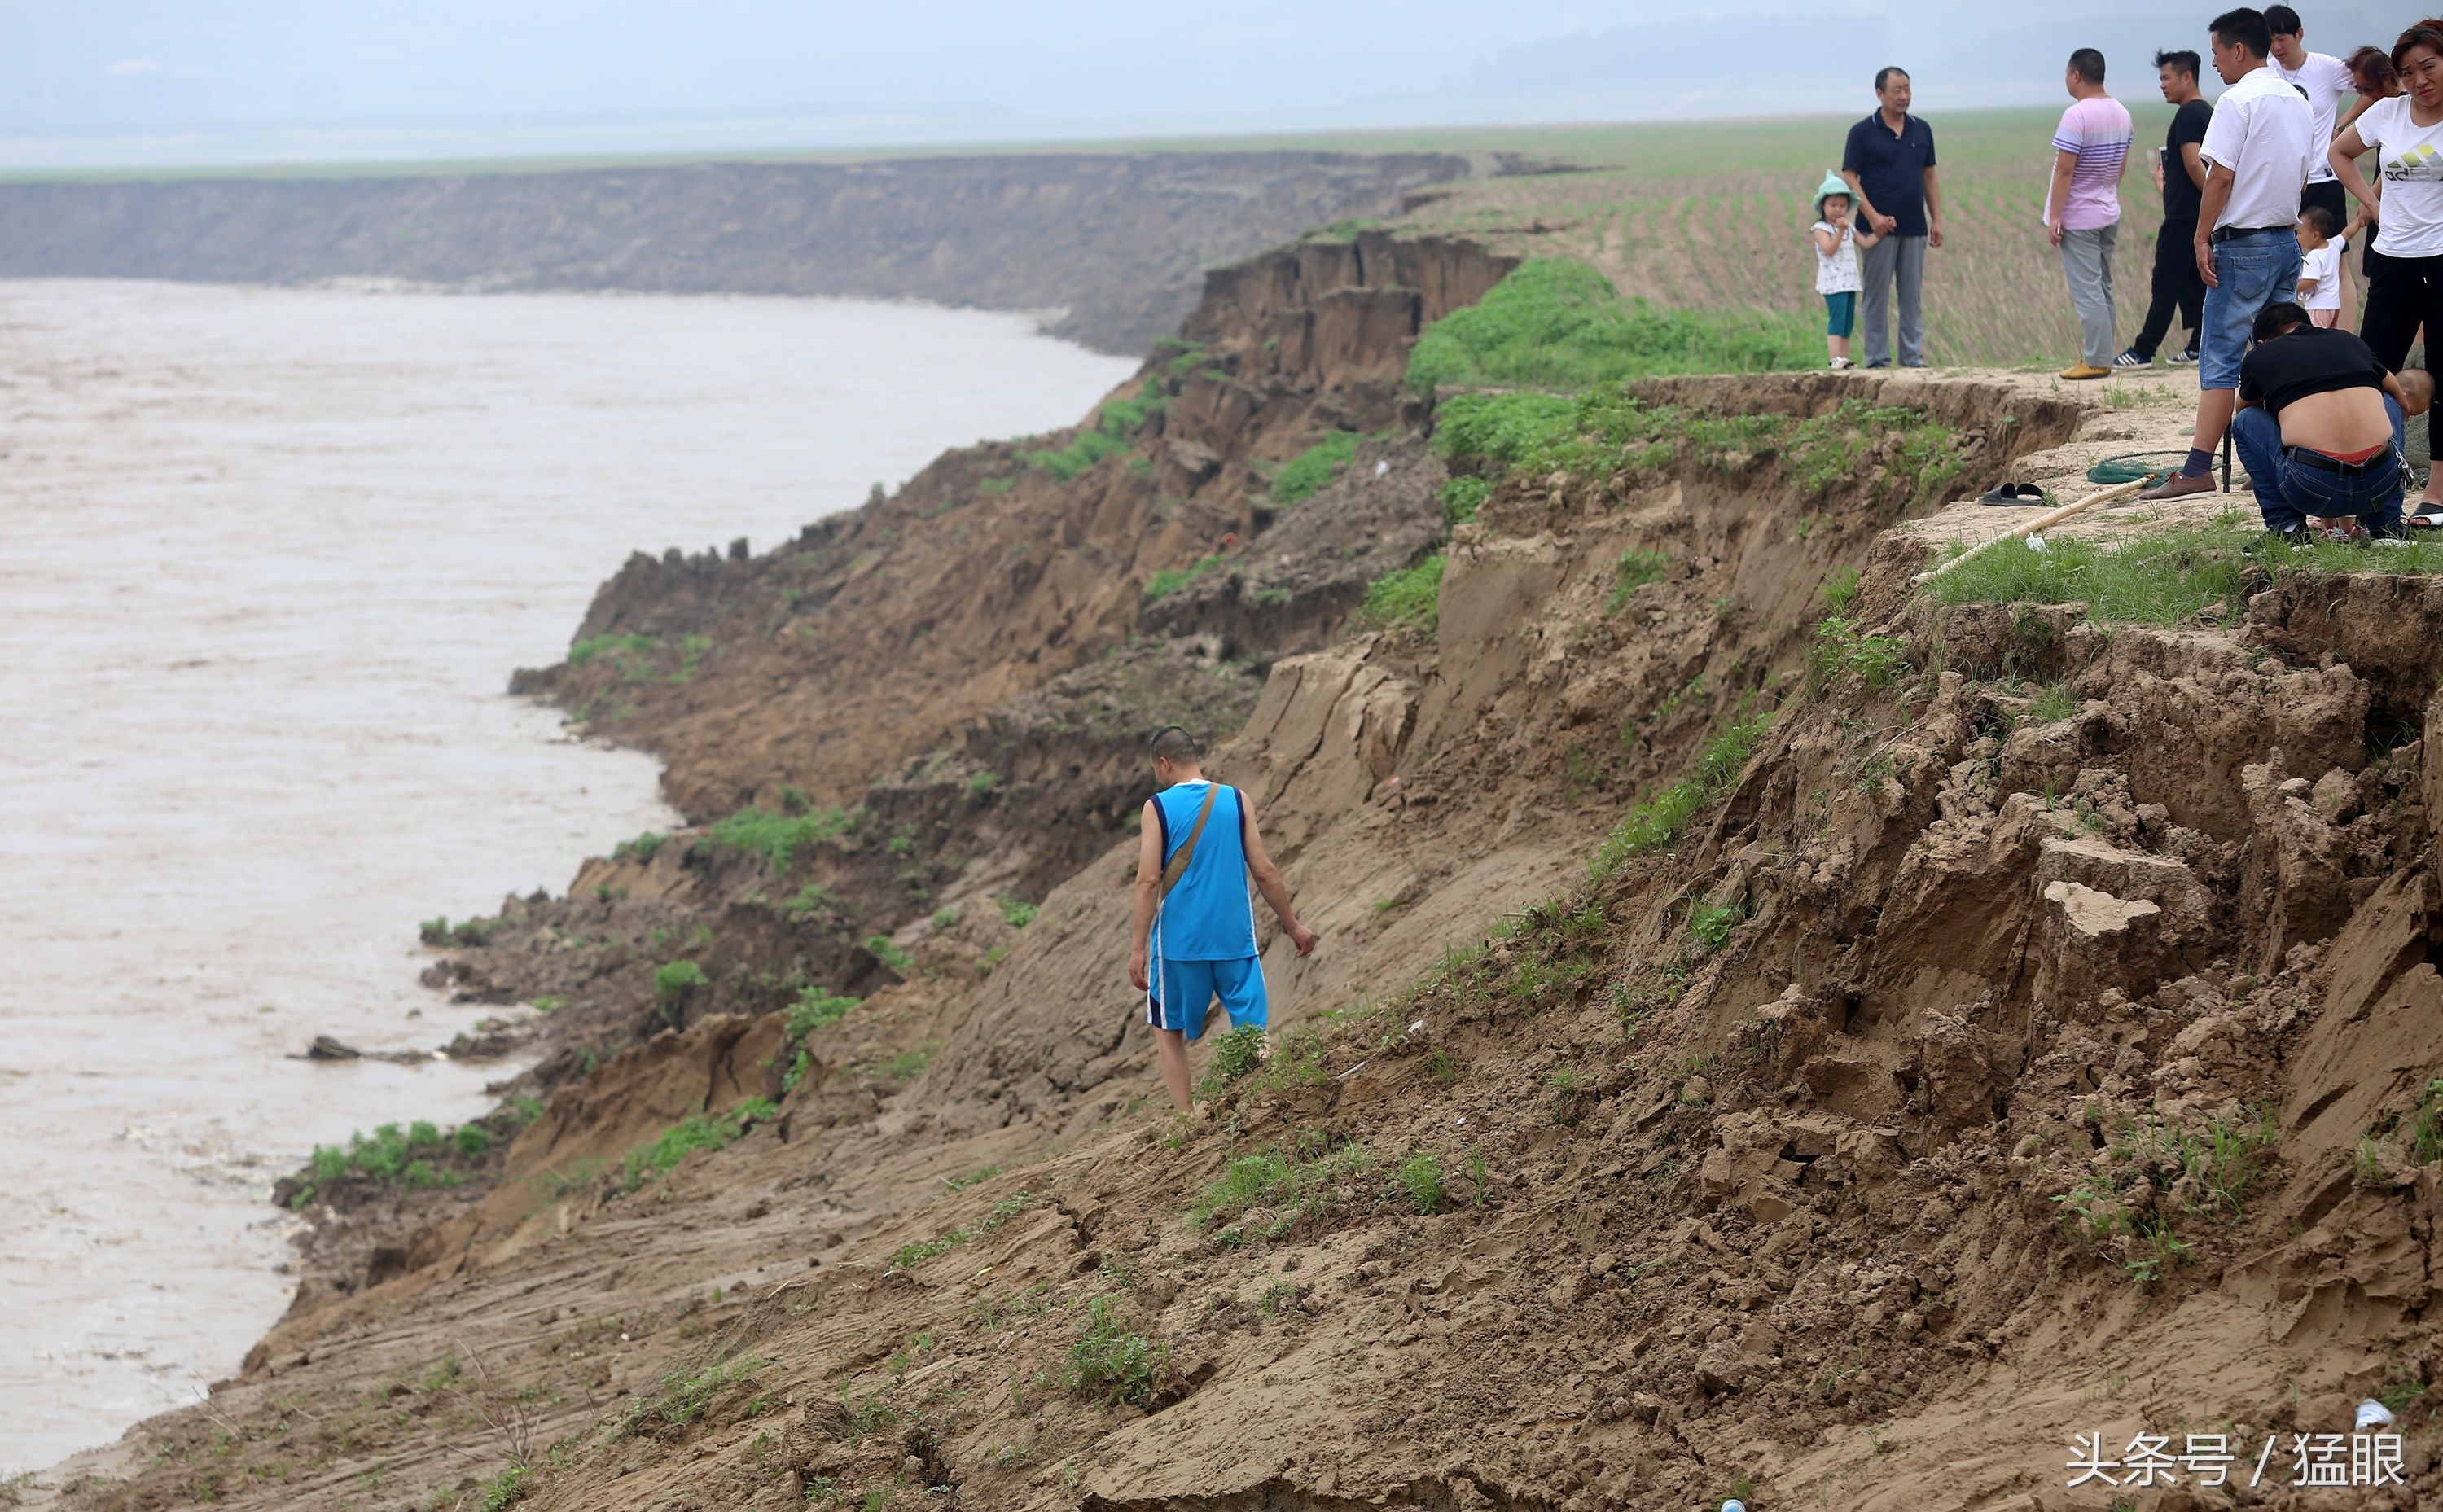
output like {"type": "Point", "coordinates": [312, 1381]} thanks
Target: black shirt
{"type": "Point", "coordinates": [2181, 196]}
{"type": "Point", "coordinates": [1891, 168]}
{"type": "Point", "coordinates": [2309, 359]}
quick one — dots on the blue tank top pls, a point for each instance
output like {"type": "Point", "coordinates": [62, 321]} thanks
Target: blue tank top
{"type": "Point", "coordinates": [1207, 916]}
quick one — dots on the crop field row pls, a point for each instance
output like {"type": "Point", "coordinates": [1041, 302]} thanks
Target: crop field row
{"type": "Point", "coordinates": [1715, 216]}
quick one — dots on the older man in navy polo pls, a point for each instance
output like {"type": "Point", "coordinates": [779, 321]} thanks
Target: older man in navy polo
{"type": "Point", "coordinates": [1889, 164]}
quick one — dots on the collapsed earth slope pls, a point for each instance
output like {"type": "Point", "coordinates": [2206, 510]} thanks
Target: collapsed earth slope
{"type": "Point", "coordinates": [1780, 1032]}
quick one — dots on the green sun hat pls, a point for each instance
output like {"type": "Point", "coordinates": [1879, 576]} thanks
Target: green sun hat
{"type": "Point", "coordinates": [1833, 184]}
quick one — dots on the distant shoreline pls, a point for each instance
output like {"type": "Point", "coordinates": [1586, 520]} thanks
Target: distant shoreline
{"type": "Point", "coordinates": [1119, 241]}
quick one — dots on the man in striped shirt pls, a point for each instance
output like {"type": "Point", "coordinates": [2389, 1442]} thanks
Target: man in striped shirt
{"type": "Point", "coordinates": [2083, 212]}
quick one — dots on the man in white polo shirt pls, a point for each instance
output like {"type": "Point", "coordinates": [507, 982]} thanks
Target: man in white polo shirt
{"type": "Point", "coordinates": [2324, 79]}
{"type": "Point", "coordinates": [2257, 151]}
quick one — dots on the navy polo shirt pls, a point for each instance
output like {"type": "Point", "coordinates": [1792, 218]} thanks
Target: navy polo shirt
{"type": "Point", "coordinates": [1891, 168]}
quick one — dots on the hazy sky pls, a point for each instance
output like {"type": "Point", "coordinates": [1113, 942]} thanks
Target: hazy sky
{"type": "Point", "coordinates": [160, 81]}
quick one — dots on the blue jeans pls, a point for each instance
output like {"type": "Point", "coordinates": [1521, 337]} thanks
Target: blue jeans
{"type": "Point", "coordinates": [2293, 482]}
{"type": "Point", "coordinates": [2251, 272]}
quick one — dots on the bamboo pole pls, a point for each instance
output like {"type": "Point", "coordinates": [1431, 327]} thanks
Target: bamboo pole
{"type": "Point", "coordinates": [2048, 517]}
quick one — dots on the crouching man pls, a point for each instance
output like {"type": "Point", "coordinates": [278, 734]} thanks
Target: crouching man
{"type": "Point", "coordinates": [2319, 427]}
{"type": "Point", "coordinates": [1193, 932]}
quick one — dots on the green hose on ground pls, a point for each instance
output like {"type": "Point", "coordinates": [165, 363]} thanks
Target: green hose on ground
{"type": "Point", "coordinates": [2130, 467]}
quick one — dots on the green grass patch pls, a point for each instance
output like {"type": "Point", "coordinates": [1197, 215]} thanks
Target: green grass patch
{"type": "Point", "coordinates": [1171, 579]}
{"type": "Point", "coordinates": [1710, 924]}
{"type": "Point", "coordinates": [883, 949]}
{"type": "Point", "coordinates": [399, 1157]}
{"type": "Point", "coordinates": [2163, 578]}
{"type": "Point", "coordinates": [1461, 497]}
{"type": "Point", "coordinates": [1656, 823]}
{"type": "Point", "coordinates": [2056, 702]}
{"type": "Point", "coordinates": [2154, 1176]}
{"type": "Point", "coordinates": [640, 849]}
{"type": "Point", "coordinates": [1841, 650]}
{"type": "Point", "coordinates": [685, 1396]}
{"type": "Point", "coordinates": [613, 649]}
{"type": "Point", "coordinates": [1610, 430]}
{"type": "Point", "coordinates": [1420, 1179]}
{"type": "Point", "coordinates": [779, 837]}
{"type": "Point", "coordinates": [1016, 912]}
{"type": "Point", "coordinates": [908, 1257]}
{"type": "Point", "coordinates": [1315, 467]}
{"type": "Point", "coordinates": [1556, 323]}
{"type": "Point", "coordinates": [508, 1488]}
{"type": "Point", "coordinates": [1407, 598]}
{"type": "Point", "coordinates": [677, 978]}
{"type": "Point", "coordinates": [1263, 1196]}
{"type": "Point", "coordinates": [817, 1008]}
{"type": "Point", "coordinates": [1111, 1362]}
{"type": "Point", "coordinates": [1107, 436]}
{"type": "Point", "coordinates": [697, 1131]}
{"type": "Point", "coordinates": [1235, 1055]}
{"type": "Point", "coordinates": [1636, 568]}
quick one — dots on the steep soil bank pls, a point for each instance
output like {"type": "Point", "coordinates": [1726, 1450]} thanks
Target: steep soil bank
{"type": "Point", "coordinates": [833, 657]}
{"type": "Point", "coordinates": [1119, 241]}
{"type": "Point", "coordinates": [1512, 1238]}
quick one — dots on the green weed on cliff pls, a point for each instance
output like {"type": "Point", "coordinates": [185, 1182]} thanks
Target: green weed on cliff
{"type": "Point", "coordinates": [884, 949]}
{"type": "Point", "coordinates": [779, 837]}
{"type": "Point", "coordinates": [1315, 467]}
{"type": "Point", "coordinates": [396, 1156]}
{"type": "Point", "coordinates": [1637, 567]}
{"type": "Point", "coordinates": [1408, 598]}
{"type": "Point", "coordinates": [698, 1131]}
{"type": "Point", "coordinates": [2163, 578]}
{"type": "Point", "coordinates": [600, 647]}
{"type": "Point", "coordinates": [1463, 497]}
{"type": "Point", "coordinates": [1656, 823]}
{"type": "Point", "coordinates": [1171, 579]}
{"type": "Point", "coordinates": [1110, 1361]}
{"type": "Point", "coordinates": [684, 1396]}
{"type": "Point", "coordinates": [1609, 429]}
{"type": "Point", "coordinates": [1556, 323]}
{"type": "Point", "coordinates": [1106, 436]}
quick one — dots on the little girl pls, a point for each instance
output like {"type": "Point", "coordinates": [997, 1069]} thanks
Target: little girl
{"type": "Point", "coordinates": [1836, 265]}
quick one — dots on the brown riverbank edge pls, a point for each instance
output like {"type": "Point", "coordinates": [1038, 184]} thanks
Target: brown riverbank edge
{"type": "Point", "coordinates": [1971, 1073]}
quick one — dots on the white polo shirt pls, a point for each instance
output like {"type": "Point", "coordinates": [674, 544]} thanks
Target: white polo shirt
{"type": "Point", "coordinates": [2325, 79]}
{"type": "Point", "coordinates": [2264, 132]}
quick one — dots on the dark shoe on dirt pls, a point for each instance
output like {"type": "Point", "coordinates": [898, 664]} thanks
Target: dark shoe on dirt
{"type": "Point", "coordinates": [2180, 485]}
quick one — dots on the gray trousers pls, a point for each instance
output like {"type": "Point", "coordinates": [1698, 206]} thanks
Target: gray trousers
{"type": "Point", "coordinates": [1900, 259]}
{"type": "Point", "coordinates": [2086, 262]}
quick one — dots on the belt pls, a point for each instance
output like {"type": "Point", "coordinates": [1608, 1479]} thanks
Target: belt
{"type": "Point", "coordinates": [2326, 462]}
{"type": "Point", "coordinates": [2228, 233]}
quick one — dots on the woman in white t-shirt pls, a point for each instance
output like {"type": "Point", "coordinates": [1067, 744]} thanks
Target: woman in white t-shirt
{"type": "Point", "coordinates": [2405, 289]}
{"type": "Point", "coordinates": [1837, 239]}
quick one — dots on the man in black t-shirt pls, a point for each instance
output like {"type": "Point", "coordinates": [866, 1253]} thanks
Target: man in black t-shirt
{"type": "Point", "coordinates": [2178, 287]}
{"type": "Point", "coordinates": [1888, 163]}
{"type": "Point", "coordinates": [2319, 426]}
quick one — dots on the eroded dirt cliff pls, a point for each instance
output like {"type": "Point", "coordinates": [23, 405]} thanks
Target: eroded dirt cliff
{"type": "Point", "coordinates": [1774, 1034]}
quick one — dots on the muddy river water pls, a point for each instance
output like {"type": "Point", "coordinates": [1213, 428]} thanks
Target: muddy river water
{"type": "Point", "coordinates": [267, 560]}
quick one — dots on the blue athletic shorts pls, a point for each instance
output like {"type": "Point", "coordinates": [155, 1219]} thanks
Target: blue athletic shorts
{"type": "Point", "coordinates": [1841, 314]}
{"type": "Point", "coordinates": [1181, 994]}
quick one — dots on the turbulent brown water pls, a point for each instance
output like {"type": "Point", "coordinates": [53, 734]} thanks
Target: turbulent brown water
{"type": "Point", "coordinates": [266, 558]}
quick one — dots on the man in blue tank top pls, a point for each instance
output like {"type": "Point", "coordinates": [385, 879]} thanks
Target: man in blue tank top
{"type": "Point", "coordinates": [1194, 930]}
